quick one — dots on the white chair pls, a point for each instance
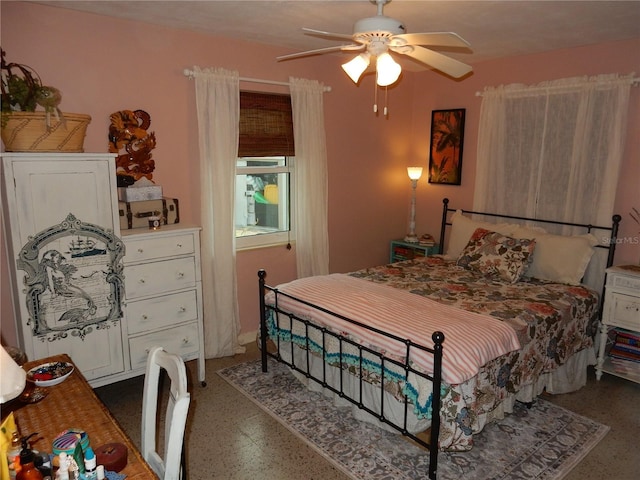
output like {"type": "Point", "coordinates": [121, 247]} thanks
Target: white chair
{"type": "Point", "coordinates": [172, 466]}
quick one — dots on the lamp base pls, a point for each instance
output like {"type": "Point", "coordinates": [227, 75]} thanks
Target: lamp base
{"type": "Point", "coordinates": [411, 238]}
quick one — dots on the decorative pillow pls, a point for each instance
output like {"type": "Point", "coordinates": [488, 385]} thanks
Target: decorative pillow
{"type": "Point", "coordinates": [496, 255]}
{"type": "Point", "coordinates": [462, 228]}
{"type": "Point", "coordinates": [562, 259]}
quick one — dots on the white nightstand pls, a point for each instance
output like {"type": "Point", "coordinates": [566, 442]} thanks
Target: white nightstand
{"type": "Point", "coordinates": [621, 309]}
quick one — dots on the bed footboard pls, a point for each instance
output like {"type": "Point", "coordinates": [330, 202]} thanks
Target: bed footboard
{"type": "Point", "coordinates": [269, 311]}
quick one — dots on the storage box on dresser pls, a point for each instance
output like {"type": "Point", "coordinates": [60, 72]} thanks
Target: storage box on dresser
{"type": "Point", "coordinates": [163, 292]}
{"type": "Point", "coordinates": [621, 309]}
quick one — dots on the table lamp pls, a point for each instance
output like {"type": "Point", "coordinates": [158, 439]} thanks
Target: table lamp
{"type": "Point", "coordinates": [13, 377]}
{"type": "Point", "coordinates": [414, 174]}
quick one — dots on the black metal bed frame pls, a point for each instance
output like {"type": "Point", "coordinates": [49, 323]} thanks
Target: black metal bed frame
{"type": "Point", "coordinates": [435, 378]}
{"type": "Point", "coordinates": [438, 339]}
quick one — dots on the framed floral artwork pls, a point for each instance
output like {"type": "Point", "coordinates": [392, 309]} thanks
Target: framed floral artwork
{"type": "Point", "coordinates": [445, 153]}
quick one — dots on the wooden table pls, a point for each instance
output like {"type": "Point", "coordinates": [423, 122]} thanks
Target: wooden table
{"type": "Point", "coordinates": [73, 404]}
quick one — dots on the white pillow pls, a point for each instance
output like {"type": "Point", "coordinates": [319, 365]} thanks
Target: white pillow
{"type": "Point", "coordinates": [463, 227]}
{"type": "Point", "coordinates": [561, 259]}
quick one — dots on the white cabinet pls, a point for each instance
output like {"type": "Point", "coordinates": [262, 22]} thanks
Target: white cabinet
{"type": "Point", "coordinates": [621, 310]}
{"type": "Point", "coordinates": [82, 287]}
{"type": "Point", "coordinates": [163, 288]}
{"type": "Point", "coordinates": [62, 232]}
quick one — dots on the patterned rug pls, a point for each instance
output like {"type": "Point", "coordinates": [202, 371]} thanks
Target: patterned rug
{"type": "Point", "coordinates": [544, 442]}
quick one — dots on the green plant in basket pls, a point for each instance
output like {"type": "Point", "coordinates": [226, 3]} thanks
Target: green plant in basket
{"type": "Point", "coordinates": [22, 91]}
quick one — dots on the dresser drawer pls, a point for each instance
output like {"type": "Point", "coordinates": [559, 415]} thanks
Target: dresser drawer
{"type": "Point", "coordinates": [624, 311]}
{"type": "Point", "coordinates": [149, 248]}
{"type": "Point", "coordinates": [158, 277]}
{"type": "Point", "coordinates": [181, 340]}
{"type": "Point", "coordinates": [161, 312]}
{"type": "Point", "coordinates": [625, 281]}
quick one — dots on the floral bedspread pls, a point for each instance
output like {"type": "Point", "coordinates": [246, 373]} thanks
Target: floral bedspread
{"type": "Point", "coordinates": [553, 322]}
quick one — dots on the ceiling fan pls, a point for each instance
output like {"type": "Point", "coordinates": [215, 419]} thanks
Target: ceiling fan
{"type": "Point", "coordinates": [379, 35]}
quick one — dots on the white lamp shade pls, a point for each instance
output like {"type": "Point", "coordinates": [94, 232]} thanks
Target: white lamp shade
{"type": "Point", "coordinates": [13, 377]}
{"type": "Point", "coordinates": [388, 70]}
{"type": "Point", "coordinates": [356, 67]}
{"type": "Point", "coordinates": [414, 172]}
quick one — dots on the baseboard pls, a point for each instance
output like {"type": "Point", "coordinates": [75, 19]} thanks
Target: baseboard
{"type": "Point", "coordinates": [248, 337]}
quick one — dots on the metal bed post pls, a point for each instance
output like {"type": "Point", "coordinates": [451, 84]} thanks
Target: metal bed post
{"type": "Point", "coordinates": [263, 319]}
{"type": "Point", "coordinates": [438, 339]}
{"type": "Point", "coordinates": [445, 209]}
{"type": "Point", "coordinates": [613, 240]}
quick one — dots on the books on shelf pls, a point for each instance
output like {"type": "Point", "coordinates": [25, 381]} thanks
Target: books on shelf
{"type": "Point", "coordinates": [625, 352]}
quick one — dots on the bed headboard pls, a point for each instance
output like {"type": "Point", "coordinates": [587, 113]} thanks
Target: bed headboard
{"type": "Point", "coordinates": [588, 228]}
{"type": "Point", "coordinates": [595, 274]}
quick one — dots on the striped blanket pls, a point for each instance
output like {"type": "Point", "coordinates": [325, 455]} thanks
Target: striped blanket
{"type": "Point", "coordinates": [471, 339]}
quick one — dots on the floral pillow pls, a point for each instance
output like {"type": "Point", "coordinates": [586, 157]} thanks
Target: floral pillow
{"type": "Point", "coordinates": [496, 255]}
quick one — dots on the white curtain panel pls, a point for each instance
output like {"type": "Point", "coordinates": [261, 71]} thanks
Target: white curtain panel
{"type": "Point", "coordinates": [218, 107]}
{"type": "Point", "coordinates": [553, 150]}
{"type": "Point", "coordinates": [311, 185]}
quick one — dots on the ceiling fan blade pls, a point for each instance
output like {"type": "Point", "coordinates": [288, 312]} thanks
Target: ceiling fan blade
{"type": "Point", "coordinates": [321, 33]}
{"type": "Point", "coordinates": [319, 51]}
{"type": "Point", "coordinates": [441, 39]}
{"type": "Point", "coordinates": [445, 64]}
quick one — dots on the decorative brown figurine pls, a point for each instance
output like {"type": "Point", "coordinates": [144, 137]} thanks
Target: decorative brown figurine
{"type": "Point", "coordinates": [129, 138]}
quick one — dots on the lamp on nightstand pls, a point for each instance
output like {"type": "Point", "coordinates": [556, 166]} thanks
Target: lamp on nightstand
{"type": "Point", "coordinates": [414, 175]}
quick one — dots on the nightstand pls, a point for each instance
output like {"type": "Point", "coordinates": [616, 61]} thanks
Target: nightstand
{"type": "Point", "coordinates": [400, 250]}
{"type": "Point", "coordinates": [620, 326]}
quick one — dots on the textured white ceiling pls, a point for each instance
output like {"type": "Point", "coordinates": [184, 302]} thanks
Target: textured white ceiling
{"type": "Point", "coordinates": [494, 28]}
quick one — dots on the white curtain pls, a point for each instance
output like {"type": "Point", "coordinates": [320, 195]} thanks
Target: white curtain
{"type": "Point", "coordinates": [553, 150]}
{"type": "Point", "coordinates": [311, 189]}
{"type": "Point", "coordinates": [218, 107]}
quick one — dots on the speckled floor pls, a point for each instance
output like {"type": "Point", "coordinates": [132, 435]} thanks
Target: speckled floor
{"type": "Point", "coordinates": [229, 437]}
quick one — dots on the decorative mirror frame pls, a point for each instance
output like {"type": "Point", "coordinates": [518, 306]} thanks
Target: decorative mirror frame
{"type": "Point", "coordinates": [74, 279]}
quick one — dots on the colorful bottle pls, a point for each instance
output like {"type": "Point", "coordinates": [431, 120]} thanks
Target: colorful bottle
{"type": "Point", "coordinates": [90, 466]}
{"type": "Point", "coordinates": [28, 470]}
{"type": "Point", "coordinates": [12, 453]}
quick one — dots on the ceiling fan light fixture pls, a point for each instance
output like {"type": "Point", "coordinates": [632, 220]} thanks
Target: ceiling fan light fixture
{"type": "Point", "coordinates": [356, 67]}
{"type": "Point", "coordinates": [387, 69]}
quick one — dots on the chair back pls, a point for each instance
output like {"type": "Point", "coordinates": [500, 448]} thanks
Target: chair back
{"type": "Point", "coordinates": [177, 407]}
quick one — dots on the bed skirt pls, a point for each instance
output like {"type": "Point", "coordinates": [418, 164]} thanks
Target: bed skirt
{"type": "Point", "coordinates": [453, 435]}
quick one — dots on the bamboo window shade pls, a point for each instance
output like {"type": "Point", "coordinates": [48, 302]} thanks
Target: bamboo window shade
{"type": "Point", "coordinates": [266, 125]}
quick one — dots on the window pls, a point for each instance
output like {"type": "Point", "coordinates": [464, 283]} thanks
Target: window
{"type": "Point", "coordinates": [262, 204]}
{"type": "Point", "coordinates": [263, 171]}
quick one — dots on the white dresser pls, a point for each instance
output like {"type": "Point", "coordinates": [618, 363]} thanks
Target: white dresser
{"type": "Point", "coordinates": [82, 287]}
{"type": "Point", "coordinates": [621, 309]}
{"type": "Point", "coordinates": [163, 294]}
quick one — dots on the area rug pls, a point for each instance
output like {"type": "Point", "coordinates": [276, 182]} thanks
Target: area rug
{"type": "Point", "coordinates": [544, 442]}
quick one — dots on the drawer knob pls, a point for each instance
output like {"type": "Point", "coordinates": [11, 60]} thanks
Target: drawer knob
{"type": "Point", "coordinates": [142, 280]}
{"type": "Point", "coordinates": [180, 274]}
{"type": "Point", "coordinates": [185, 341]}
{"type": "Point", "coordinates": [144, 317]}
{"type": "Point", "coordinates": [140, 250]}
{"type": "Point", "coordinates": [182, 309]}
{"type": "Point", "coordinates": [179, 245]}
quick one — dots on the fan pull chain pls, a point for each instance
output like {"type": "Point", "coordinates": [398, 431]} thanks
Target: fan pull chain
{"type": "Point", "coordinates": [375, 95]}
{"type": "Point", "coordinates": [386, 93]}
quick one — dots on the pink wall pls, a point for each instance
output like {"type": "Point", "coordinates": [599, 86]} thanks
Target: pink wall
{"type": "Point", "coordinates": [102, 65]}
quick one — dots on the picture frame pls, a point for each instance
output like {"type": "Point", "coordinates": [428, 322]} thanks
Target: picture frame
{"type": "Point", "coordinates": [447, 141]}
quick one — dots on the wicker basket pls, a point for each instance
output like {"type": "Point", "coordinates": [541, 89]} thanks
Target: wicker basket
{"type": "Point", "coordinates": [27, 132]}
